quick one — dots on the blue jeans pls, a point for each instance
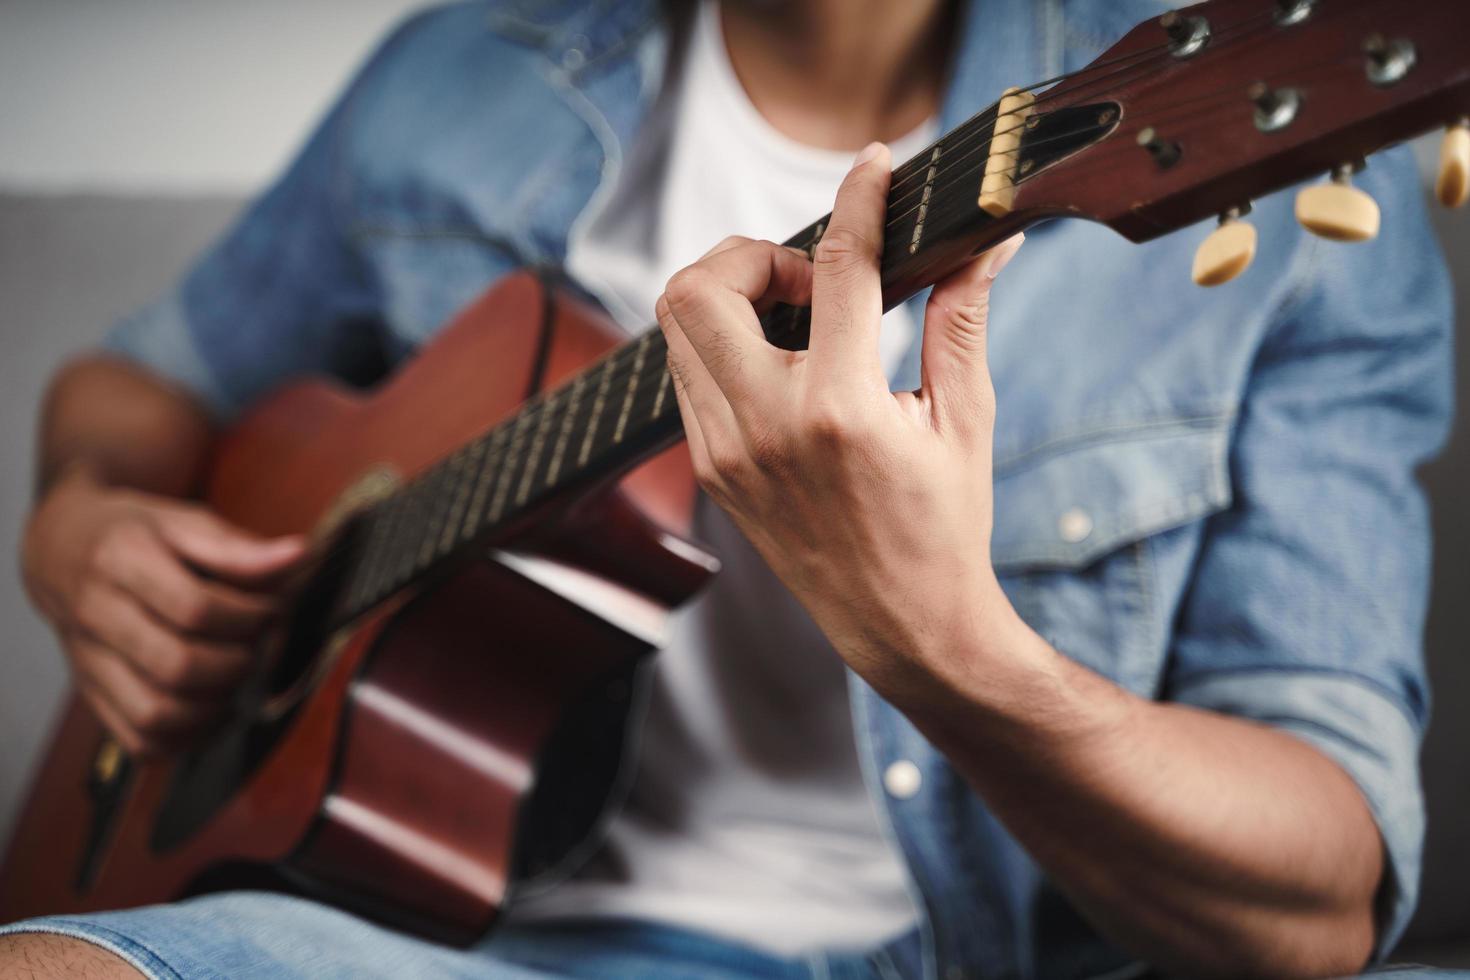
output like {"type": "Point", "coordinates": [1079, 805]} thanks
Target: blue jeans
{"type": "Point", "coordinates": [246, 935]}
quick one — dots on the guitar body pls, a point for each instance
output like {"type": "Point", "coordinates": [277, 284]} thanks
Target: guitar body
{"type": "Point", "coordinates": [461, 737]}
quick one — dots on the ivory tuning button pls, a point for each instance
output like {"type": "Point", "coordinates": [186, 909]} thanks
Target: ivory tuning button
{"type": "Point", "coordinates": [1453, 186]}
{"type": "Point", "coordinates": [1228, 251]}
{"type": "Point", "coordinates": [1338, 211]}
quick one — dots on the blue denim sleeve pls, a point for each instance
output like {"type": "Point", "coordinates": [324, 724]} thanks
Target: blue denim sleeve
{"type": "Point", "coordinates": [283, 293]}
{"type": "Point", "coordinates": [1307, 604]}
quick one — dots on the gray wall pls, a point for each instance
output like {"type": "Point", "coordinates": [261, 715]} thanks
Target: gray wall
{"type": "Point", "coordinates": [170, 95]}
{"type": "Point", "coordinates": [69, 266]}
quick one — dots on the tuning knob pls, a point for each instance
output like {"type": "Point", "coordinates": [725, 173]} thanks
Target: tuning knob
{"type": "Point", "coordinates": [1453, 186]}
{"type": "Point", "coordinates": [1338, 210]}
{"type": "Point", "coordinates": [1228, 251]}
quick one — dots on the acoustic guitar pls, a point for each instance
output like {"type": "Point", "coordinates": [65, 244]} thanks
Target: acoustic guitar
{"type": "Point", "coordinates": [501, 524]}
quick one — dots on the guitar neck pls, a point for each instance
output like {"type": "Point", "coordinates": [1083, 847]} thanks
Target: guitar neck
{"type": "Point", "coordinates": [621, 410]}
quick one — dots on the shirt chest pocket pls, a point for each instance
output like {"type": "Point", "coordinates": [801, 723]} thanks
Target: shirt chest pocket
{"type": "Point", "coordinates": [1095, 536]}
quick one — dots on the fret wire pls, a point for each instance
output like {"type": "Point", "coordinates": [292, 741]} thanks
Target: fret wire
{"type": "Point", "coordinates": [446, 499]}
{"type": "Point", "coordinates": [665, 381]}
{"type": "Point", "coordinates": [512, 454]}
{"type": "Point", "coordinates": [484, 479]}
{"type": "Point", "coordinates": [548, 411]}
{"type": "Point", "coordinates": [464, 486]}
{"type": "Point", "coordinates": [437, 478]}
{"type": "Point", "coordinates": [568, 421]}
{"type": "Point", "coordinates": [598, 403]}
{"type": "Point", "coordinates": [643, 343]}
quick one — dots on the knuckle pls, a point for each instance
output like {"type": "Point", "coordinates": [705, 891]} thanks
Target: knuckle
{"type": "Point", "coordinates": [706, 476]}
{"type": "Point", "coordinates": [842, 248]}
{"type": "Point", "coordinates": [727, 462]}
{"type": "Point", "coordinates": [173, 663]}
{"type": "Point", "coordinates": [190, 609]}
{"type": "Point", "coordinates": [769, 452]}
{"type": "Point", "coordinates": [111, 545]}
{"type": "Point", "coordinates": [119, 545]}
{"type": "Point", "coordinates": [731, 241]}
{"type": "Point", "coordinates": [686, 287]}
{"type": "Point", "coordinates": [90, 607]}
{"type": "Point", "coordinates": [968, 322]}
{"type": "Point", "coordinates": [828, 423]}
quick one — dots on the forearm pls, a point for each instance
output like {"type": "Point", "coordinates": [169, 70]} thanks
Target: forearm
{"type": "Point", "coordinates": [120, 426]}
{"type": "Point", "coordinates": [1204, 843]}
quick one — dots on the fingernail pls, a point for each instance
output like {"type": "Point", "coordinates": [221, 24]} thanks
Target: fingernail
{"type": "Point", "coordinates": [867, 154]}
{"type": "Point", "coordinates": [285, 546]}
{"type": "Point", "coordinates": [1004, 252]}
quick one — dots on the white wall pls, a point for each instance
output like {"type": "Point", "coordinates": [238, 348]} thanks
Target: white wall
{"type": "Point", "coordinates": [172, 96]}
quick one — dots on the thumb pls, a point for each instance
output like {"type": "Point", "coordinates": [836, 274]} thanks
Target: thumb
{"type": "Point", "coordinates": [956, 377]}
{"type": "Point", "coordinates": [225, 551]}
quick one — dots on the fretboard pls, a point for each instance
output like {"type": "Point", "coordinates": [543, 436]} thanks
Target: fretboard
{"type": "Point", "coordinates": [622, 409]}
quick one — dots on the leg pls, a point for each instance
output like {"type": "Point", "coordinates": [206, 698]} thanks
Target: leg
{"type": "Point", "coordinates": [235, 935]}
{"type": "Point", "coordinates": [43, 956]}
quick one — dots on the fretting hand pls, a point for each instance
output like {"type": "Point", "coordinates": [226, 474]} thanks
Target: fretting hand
{"type": "Point", "coordinates": [873, 507]}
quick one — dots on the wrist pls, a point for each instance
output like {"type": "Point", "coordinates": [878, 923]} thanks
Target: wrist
{"type": "Point", "coordinates": [997, 679]}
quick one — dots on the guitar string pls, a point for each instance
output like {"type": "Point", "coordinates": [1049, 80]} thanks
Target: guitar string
{"type": "Point", "coordinates": [510, 449]}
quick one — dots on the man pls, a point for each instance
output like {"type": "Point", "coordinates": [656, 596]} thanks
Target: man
{"type": "Point", "coordinates": [1161, 711]}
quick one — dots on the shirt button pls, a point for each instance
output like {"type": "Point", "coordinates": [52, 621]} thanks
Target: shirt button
{"type": "Point", "coordinates": [1074, 525]}
{"type": "Point", "coordinates": [576, 56]}
{"type": "Point", "coordinates": [902, 779]}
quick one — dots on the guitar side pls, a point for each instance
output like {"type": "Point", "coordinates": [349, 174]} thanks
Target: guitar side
{"type": "Point", "coordinates": [435, 753]}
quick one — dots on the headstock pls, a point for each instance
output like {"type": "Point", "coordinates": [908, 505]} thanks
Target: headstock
{"type": "Point", "coordinates": [1219, 103]}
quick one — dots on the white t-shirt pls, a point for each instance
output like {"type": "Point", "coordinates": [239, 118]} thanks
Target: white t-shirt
{"type": "Point", "coordinates": [748, 816]}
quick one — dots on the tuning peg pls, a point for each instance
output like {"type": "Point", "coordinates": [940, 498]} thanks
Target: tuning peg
{"type": "Point", "coordinates": [1453, 186]}
{"type": "Point", "coordinates": [1338, 210]}
{"type": "Point", "coordinates": [1228, 251]}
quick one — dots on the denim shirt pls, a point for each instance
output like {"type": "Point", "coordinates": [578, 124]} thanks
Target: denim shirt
{"type": "Point", "coordinates": [1207, 496]}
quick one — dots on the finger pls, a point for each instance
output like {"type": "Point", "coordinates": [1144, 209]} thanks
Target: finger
{"type": "Point", "coordinates": [132, 708]}
{"type": "Point", "coordinates": [225, 551]}
{"type": "Point", "coordinates": [700, 397]}
{"type": "Point", "coordinates": [956, 375]}
{"type": "Point", "coordinates": [171, 662]}
{"type": "Point", "coordinates": [137, 561]}
{"type": "Point", "coordinates": [698, 450]}
{"type": "Point", "coordinates": [847, 297]}
{"type": "Point", "coordinates": [112, 719]}
{"type": "Point", "coordinates": [725, 244]}
{"type": "Point", "coordinates": [713, 302]}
